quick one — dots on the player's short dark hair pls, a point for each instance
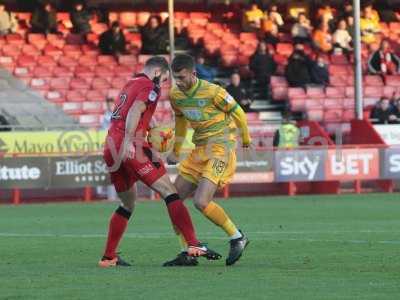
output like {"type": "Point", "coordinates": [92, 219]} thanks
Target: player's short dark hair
{"type": "Point", "coordinates": [157, 62]}
{"type": "Point", "coordinates": [182, 61]}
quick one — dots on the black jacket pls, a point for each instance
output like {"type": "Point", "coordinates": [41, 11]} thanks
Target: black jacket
{"type": "Point", "coordinates": [263, 66]}
{"type": "Point", "coordinates": [154, 41]}
{"type": "Point", "coordinates": [298, 70]}
{"type": "Point", "coordinates": [241, 95]}
{"type": "Point", "coordinates": [382, 115]}
{"type": "Point", "coordinates": [109, 43]}
{"type": "Point", "coordinates": [43, 21]}
{"type": "Point", "coordinates": [320, 74]}
{"type": "Point", "coordinates": [80, 21]}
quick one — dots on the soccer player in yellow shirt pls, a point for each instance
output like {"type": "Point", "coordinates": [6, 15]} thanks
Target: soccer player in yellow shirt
{"type": "Point", "coordinates": [215, 117]}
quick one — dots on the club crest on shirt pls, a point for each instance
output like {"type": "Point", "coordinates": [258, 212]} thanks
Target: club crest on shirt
{"type": "Point", "coordinates": [228, 99]}
{"type": "Point", "coordinates": [202, 102]}
{"type": "Point", "coordinates": [153, 96]}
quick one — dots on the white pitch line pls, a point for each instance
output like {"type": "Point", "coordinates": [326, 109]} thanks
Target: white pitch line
{"type": "Point", "coordinates": [168, 235]}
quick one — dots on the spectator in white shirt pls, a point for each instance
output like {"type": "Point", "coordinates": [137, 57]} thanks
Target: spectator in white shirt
{"type": "Point", "coordinates": [301, 31]}
{"type": "Point", "coordinates": [342, 38]}
{"type": "Point", "coordinates": [8, 23]}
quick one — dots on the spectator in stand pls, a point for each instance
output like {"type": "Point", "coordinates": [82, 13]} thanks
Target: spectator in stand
{"type": "Point", "coordinates": [203, 71]}
{"type": "Point", "coordinates": [252, 18]}
{"type": "Point", "coordinates": [383, 112]}
{"type": "Point", "coordinates": [369, 24]}
{"type": "Point", "coordinates": [80, 18]}
{"type": "Point", "coordinates": [44, 19]}
{"type": "Point", "coordinates": [298, 69]}
{"type": "Point", "coordinates": [350, 25]}
{"type": "Point", "coordinates": [275, 16]}
{"type": "Point", "coordinates": [301, 31]}
{"type": "Point", "coordinates": [272, 36]}
{"type": "Point", "coordinates": [384, 61]}
{"type": "Point", "coordinates": [320, 71]}
{"type": "Point", "coordinates": [154, 37]}
{"type": "Point", "coordinates": [263, 67]}
{"type": "Point", "coordinates": [112, 41]}
{"type": "Point", "coordinates": [348, 11]}
{"type": "Point", "coordinates": [8, 22]}
{"type": "Point", "coordinates": [342, 39]}
{"type": "Point", "coordinates": [397, 109]}
{"type": "Point", "coordinates": [239, 92]}
{"type": "Point", "coordinates": [323, 38]}
{"type": "Point", "coordinates": [326, 15]}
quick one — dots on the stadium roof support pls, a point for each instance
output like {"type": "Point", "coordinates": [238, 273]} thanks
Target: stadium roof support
{"type": "Point", "coordinates": [171, 29]}
{"type": "Point", "coordinates": [358, 83]}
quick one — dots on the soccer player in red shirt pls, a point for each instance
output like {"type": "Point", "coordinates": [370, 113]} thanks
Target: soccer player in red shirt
{"type": "Point", "coordinates": [130, 159]}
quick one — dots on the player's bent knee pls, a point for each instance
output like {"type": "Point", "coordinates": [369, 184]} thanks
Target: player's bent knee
{"type": "Point", "coordinates": [171, 198]}
{"type": "Point", "coordinates": [200, 204]}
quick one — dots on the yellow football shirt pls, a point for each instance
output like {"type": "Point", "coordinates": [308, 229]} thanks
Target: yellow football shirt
{"type": "Point", "coordinates": [207, 108]}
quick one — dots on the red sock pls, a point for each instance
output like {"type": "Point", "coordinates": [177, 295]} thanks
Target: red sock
{"type": "Point", "coordinates": [180, 217]}
{"type": "Point", "coordinates": [118, 224]}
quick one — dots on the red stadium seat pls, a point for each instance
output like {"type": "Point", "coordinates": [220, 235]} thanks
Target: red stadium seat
{"type": "Point", "coordinates": [26, 61]}
{"type": "Point", "coordinates": [123, 71]}
{"type": "Point", "coordinates": [107, 60]}
{"type": "Point", "coordinates": [339, 60]}
{"type": "Point", "coordinates": [43, 72]}
{"type": "Point", "coordinates": [88, 60]}
{"type": "Point", "coordinates": [60, 83]}
{"type": "Point", "coordinates": [280, 93]}
{"type": "Point", "coordinates": [118, 82]}
{"type": "Point", "coordinates": [373, 91]}
{"type": "Point", "coordinates": [392, 80]}
{"type": "Point", "coordinates": [128, 19]}
{"type": "Point", "coordinates": [11, 51]}
{"type": "Point", "coordinates": [30, 50]}
{"type": "Point", "coordinates": [297, 104]}
{"type": "Point", "coordinates": [278, 81]}
{"type": "Point", "coordinates": [6, 61]}
{"type": "Point", "coordinates": [348, 115]}
{"type": "Point", "coordinates": [99, 83]}
{"type": "Point", "coordinates": [350, 91]}
{"type": "Point", "coordinates": [348, 103]}
{"type": "Point", "coordinates": [78, 84]}
{"type": "Point", "coordinates": [315, 92]}
{"type": "Point", "coordinates": [84, 72]}
{"type": "Point", "coordinates": [285, 49]}
{"type": "Point", "coordinates": [333, 115]}
{"type": "Point", "coordinates": [297, 93]}
{"type": "Point", "coordinates": [99, 28]}
{"type": "Point", "coordinates": [338, 80]}
{"type": "Point", "coordinates": [52, 51]}
{"type": "Point", "coordinates": [333, 103]}
{"type": "Point", "coordinates": [335, 92]}
{"type": "Point", "coordinates": [338, 70]}
{"type": "Point", "coordinates": [129, 60]}
{"type": "Point", "coordinates": [314, 103]}
{"type": "Point", "coordinates": [15, 39]}
{"type": "Point", "coordinates": [389, 91]}
{"type": "Point", "coordinates": [102, 71]}
{"type": "Point", "coordinates": [62, 72]}
{"type": "Point", "coordinates": [68, 62]}
{"type": "Point", "coordinates": [75, 96]}
{"type": "Point", "coordinates": [315, 115]}
{"type": "Point", "coordinates": [112, 93]}
{"type": "Point", "coordinates": [22, 72]}
{"type": "Point", "coordinates": [371, 80]}
{"type": "Point", "coordinates": [46, 61]}
{"type": "Point", "coordinates": [93, 107]}
{"type": "Point", "coordinates": [95, 96]}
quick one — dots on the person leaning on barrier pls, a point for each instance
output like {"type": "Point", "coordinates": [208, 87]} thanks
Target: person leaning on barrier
{"type": "Point", "coordinates": [288, 134]}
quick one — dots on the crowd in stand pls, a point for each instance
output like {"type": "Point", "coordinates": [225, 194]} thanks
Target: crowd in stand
{"type": "Point", "coordinates": [315, 36]}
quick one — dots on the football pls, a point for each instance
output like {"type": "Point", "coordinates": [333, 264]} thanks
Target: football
{"type": "Point", "coordinates": [161, 138]}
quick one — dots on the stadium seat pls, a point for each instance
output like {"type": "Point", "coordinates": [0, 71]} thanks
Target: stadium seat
{"type": "Point", "coordinates": [335, 92]}
{"type": "Point", "coordinates": [60, 83]}
{"type": "Point", "coordinates": [338, 80]}
{"type": "Point", "coordinates": [84, 72]}
{"type": "Point", "coordinates": [11, 50]}
{"type": "Point", "coordinates": [296, 93]}
{"type": "Point", "coordinates": [72, 108]}
{"type": "Point", "coordinates": [43, 72]}
{"type": "Point", "coordinates": [52, 51]}
{"type": "Point", "coordinates": [30, 50]}
{"type": "Point", "coordinates": [55, 97]}
{"type": "Point", "coordinates": [350, 91]}
{"type": "Point", "coordinates": [371, 80]}
{"type": "Point", "coordinates": [79, 84]}
{"type": "Point", "coordinates": [95, 96]}
{"type": "Point", "coordinates": [129, 60]}
{"type": "Point", "coordinates": [333, 115]}
{"type": "Point", "coordinates": [112, 93]}
{"type": "Point", "coordinates": [62, 72]}
{"type": "Point", "coordinates": [348, 103]}
{"type": "Point", "coordinates": [93, 107]}
{"type": "Point", "coordinates": [279, 81]}
{"type": "Point", "coordinates": [314, 103]}
{"type": "Point", "coordinates": [107, 60]}
{"type": "Point", "coordinates": [297, 104]}
{"type": "Point", "coordinates": [338, 70]}
{"type": "Point", "coordinates": [102, 71]}
{"type": "Point", "coordinates": [6, 61]}
{"type": "Point", "coordinates": [88, 60]}
{"type": "Point", "coordinates": [118, 82]}
{"type": "Point", "coordinates": [315, 92]}
{"type": "Point", "coordinates": [22, 72]}
{"type": "Point", "coordinates": [389, 91]}
{"type": "Point", "coordinates": [333, 103]}
{"type": "Point", "coordinates": [373, 91]}
{"type": "Point", "coordinates": [280, 93]}
{"type": "Point", "coordinates": [26, 61]}
{"type": "Point", "coordinates": [339, 60]}
{"type": "Point", "coordinates": [89, 120]}
{"type": "Point", "coordinates": [99, 83]}
{"type": "Point", "coordinates": [67, 62]}
{"type": "Point", "coordinates": [123, 71]}
{"type": "Point", "coordinates": [128, 19]}
{"type": "Point", "coordinates": [40, 84]}
{"type": "Point", "coordinates": [75, 96]}
{"type": "Point", "coordinates": [15, 39]}
{"type": "Point", "coordinates": [285, 49]}
{"type": "Point", "coordinates": [315, 115]}
{"type": "Point", "coordinates": [348, 115]}
{"type": "Point", "coordinates": [392, 80]}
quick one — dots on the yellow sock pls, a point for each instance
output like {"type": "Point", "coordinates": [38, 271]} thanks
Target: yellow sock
{"type": "Point", "coordinates": [217, 215]}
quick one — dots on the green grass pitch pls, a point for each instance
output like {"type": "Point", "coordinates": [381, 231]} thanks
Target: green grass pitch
{"type": "Point", "coordinates": [314, 247]}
